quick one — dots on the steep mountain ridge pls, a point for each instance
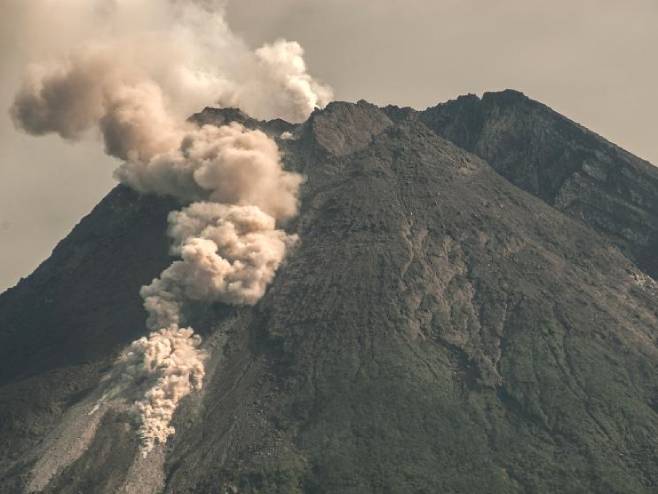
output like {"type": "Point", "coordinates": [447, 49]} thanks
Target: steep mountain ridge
{"type": "Point", "coordinates": [437, 330]}
{"type": "Point", "coordinates": [566, 165]}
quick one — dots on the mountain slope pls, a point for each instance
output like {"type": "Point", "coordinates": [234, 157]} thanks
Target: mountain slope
{"type": "Point", "coordinates": [561, 162]}
{"type": "Point", "coordinates": [80, 304]}
{"type": "Point", "coordinates": [437, 330]}
{"type": "Point", "coordinates": [63, 325]}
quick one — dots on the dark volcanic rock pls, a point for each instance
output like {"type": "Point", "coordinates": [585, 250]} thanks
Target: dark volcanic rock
{"type": "Point", "coordinates": [561, 162]}
{"type": "Point", "coordinates": [437, 330]}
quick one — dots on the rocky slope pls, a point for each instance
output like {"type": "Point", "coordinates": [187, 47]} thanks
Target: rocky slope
{"type": "Point", "coordinates": [439, 329]}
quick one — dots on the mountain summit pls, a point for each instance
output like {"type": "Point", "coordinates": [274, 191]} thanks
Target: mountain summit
{"type": "Point", "coordinates": [471, 308]}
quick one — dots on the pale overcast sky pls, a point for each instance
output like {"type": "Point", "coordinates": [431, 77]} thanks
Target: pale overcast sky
{"type": "Point", "coordinates": [592, 60]}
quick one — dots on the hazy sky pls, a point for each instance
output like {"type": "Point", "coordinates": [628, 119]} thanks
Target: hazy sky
{"type": "Point", "coordinates": [592, 60]}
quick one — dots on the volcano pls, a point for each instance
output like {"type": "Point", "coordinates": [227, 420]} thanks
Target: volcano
{"type": "Point", "coordinates": [471, 307]}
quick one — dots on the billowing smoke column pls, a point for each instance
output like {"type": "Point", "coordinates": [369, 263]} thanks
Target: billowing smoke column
{"type": "Point", "coordinates": [228, 254]}
{"type": "Point", "coordinates": [150, 64]}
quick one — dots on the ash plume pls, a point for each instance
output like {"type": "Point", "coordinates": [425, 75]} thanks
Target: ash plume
{"type": "Point", "coordinates": [228, 254]}
{"type": "Point", "coordinates": [156, 373]}
{"type": "Point", "coordinates": [137, 69]}
{"type": "Point", "coordinates": [227, 164]}
{"type": "Point", "coordinates": [158, 53]}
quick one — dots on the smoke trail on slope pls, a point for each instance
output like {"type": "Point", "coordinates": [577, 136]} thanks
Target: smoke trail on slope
{"type": "Point", "coordinates": [149, 64]}
{"type": "Point", "coordinates": [157, 372]}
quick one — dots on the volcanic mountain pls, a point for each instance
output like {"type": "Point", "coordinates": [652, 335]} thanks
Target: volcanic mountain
{"type": "Point", "coordinates": [471, 309]}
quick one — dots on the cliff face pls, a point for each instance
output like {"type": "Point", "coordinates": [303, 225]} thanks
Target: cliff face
{"type": "Point", "coordinates": [438, 329]}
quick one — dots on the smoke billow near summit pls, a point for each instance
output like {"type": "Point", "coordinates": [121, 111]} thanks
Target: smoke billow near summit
{"type": "Point", "coordinates": [133, 75]}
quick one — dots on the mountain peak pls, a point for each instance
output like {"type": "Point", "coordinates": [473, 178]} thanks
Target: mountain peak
{"type": "Point", "coordinates": [505, 96]}
{"type": "Point", "coordinates": [222, 116]}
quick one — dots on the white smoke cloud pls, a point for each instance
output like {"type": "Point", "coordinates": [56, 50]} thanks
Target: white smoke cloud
{"type": "Point", "coordinates": [278, 83]}
{"type": "Point", "coordinates": [134, 70]}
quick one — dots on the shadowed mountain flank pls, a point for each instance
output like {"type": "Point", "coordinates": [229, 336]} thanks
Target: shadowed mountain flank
{"type": "Point", "coordinates": [437, 329]}
{"type": "Point", "coordinates": [79, 305]}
